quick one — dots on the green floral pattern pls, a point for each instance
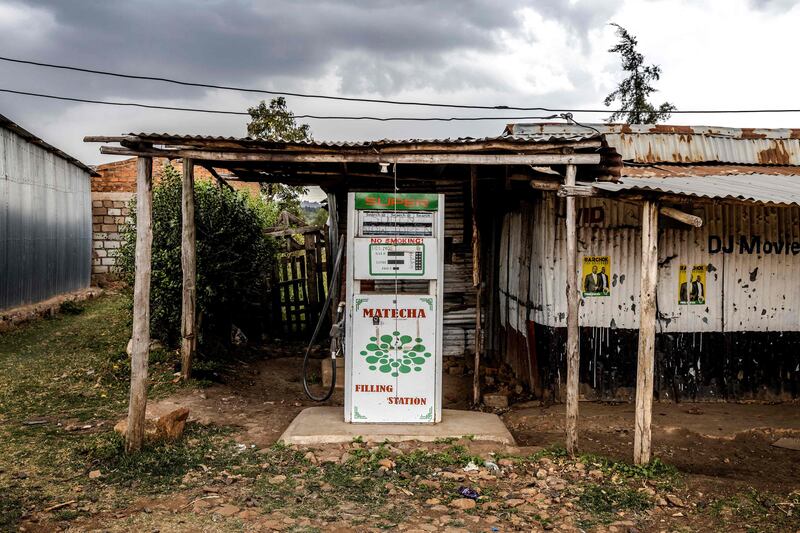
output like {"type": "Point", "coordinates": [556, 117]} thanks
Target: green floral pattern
{"type": "Point", "coordinates": [395, 354]}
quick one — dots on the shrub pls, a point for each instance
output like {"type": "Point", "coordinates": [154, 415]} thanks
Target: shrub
{"type": "Point", "coordinates": [233, 259]}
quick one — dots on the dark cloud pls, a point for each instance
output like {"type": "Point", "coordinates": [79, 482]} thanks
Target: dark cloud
{"type": "Point", "coordinates": [370, 46]}
{"type": "Point", "coordinates": [248, 40]}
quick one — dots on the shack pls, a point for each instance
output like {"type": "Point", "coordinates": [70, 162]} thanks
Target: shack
{"type": "Point", "coordinates": [45, 219]}
{"type": "Point", "coordinates": [676, 246]}
{"type": "Point", "coordinates": [727, 301]}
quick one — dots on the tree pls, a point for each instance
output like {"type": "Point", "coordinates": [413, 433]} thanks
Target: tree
{"type": "Point", "coordinates": [232, 255]}
{"type": "Point", "coordinates": [634, 91]}
{"type": "Point", "coordinates": [274, 122]}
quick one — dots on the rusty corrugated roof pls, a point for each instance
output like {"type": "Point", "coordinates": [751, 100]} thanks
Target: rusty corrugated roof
{"type": "Point", "coordinates": [763, 188]}
{"type": "Point", "coordinates": [649, 143]}
{"type": "Point", "coordinates": [670, 170]}
{"type": "Point", "coordinates": [172, 138]}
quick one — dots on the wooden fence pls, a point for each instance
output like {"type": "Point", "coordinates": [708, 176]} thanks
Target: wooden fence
{"type": "Point", "coordinates": [299, 282]}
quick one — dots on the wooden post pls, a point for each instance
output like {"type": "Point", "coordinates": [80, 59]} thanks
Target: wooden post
{"type": "Point", "coordinates": [573, 330]}
{"type": "Point", "coordinates": [476, 282]}
{"type": "Point", "coordinates": [189, 267]}
{"type": "Point", "coordinates": [141, 305]}
{"type": "Point", "coordinates": [310, 250]}
{"type": "Point", "coordinates": [647, 333]}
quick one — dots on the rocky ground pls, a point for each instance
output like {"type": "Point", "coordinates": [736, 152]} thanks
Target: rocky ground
{"type": "Point", "coordinates": [62, 467]}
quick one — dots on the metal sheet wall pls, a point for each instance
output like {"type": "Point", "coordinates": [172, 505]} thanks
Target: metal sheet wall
{"type": "Point", "coordinates": [744, 291]}
{"type": "Point", "coordinates": [45, 223]}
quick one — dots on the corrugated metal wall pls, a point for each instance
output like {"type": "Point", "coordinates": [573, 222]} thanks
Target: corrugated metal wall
{"type": "Point", "coordinates": [744, 291]}
{"type": "Point", "coordinates": [748, 292]}
{"type": "Point", "coordinates": [45, 223]}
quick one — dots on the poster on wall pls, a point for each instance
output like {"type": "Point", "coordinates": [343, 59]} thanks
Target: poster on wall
{"type": "Point", "coordinates": [595, 275]}
{"type": "Point", "coordinates": [692, 288]}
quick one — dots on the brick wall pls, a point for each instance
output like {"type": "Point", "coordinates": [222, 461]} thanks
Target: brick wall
{"type": "Point", "coordinates": [109, 213]}
{"type": "Point", "coordinates": [112, 191]}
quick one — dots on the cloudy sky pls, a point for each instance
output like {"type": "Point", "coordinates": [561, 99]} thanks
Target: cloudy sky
{"type": "Point", "coordinates": [714, 54]}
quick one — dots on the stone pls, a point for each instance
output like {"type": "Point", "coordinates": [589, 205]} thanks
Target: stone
{"type": "Point", "coordinates": [386, 463]}
{"type": "Point", "coordinates": [171, 425]}
{"type": "Point", "coordinates": [433, 501]}
{"type": "Point", "coordinates": [277, 480]}
{"type": "Point", "coordinates": [94, 474]}
{"type": "Point", "coordinates": [596, 474]}
{"type": "Point", "coordinates": [227, 510]}
{"type": "Point", "coordinates": [310, 457]}
{"type": "Point", "coordinates": [514, 502]}
{"type": "Point", "coordinates": [674, 500]}
{"type": "Point", "coordinates": [495, 400]}
{"type": "Point", "coordinates": [463, 504]}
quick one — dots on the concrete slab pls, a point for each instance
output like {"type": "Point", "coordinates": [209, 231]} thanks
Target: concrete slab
{"type": "Point", "coordinates": [326, 425]}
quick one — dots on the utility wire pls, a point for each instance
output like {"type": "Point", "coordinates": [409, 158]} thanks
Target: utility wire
{"type": "Point", "coordinates": [368, 100]}
{"type": "Point", "coordinates": [316, 117]}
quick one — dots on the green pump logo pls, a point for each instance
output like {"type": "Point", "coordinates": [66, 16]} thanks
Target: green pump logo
{"type": "Point", "coordinates": [379, 353]}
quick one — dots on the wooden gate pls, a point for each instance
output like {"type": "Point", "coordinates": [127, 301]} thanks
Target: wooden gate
{"type": "Point", "coordinates": [299, 281]}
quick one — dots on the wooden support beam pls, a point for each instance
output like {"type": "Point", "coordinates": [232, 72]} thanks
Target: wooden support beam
{"type": "Point", "coordinates": [647, 333]}
{"type": "Point", "coordinates": [546, 185]}
{"type": "Point", "coordinates": [680, 216]}
{"type": "Point", "coordinates": [573, 330]}
{"type": "Point", "coordinates": [220, 181]}
{"type": "Point", "coordinates": [285, 232]}
{"type": "Point", "coordinates": [476, 282]}
{"type": "Point", "coordinates": [577, 190]}
{"type": "Point", "coordinates": [343, 157]}
{"type": "Point", "coordinates": [189, 267]}
{"type": "Point", "coordinates": [140, 347]}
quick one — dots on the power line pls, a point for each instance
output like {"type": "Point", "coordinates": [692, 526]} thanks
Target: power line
{"type": "Point", "coordinates": [369, 100]}
{"type": "Point", "coordinates": [315, 117]}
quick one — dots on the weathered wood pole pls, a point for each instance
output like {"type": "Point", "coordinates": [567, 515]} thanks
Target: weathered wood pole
{"type": "Point", "coordinates": [573, 308]}
{"type": "Point", "coordinates": [310, 250]}
{"type": "Point", "coordinates": [476, 282]}
{"type": "Point", "coordinates": [141, 305]}
{"type": "Point", "coordinates": [189, 267]}
{"type": "Point", "coordinates": [647, 333]}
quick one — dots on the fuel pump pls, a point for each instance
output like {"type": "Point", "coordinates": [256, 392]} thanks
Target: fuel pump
{"type": "Point", "coordinates": [393, 325]}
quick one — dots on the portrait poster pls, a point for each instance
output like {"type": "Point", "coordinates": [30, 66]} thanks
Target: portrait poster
{"type": "Point", "coordinates": [692, 286]}
{"type": "Point", "coordinates": [595, 275]}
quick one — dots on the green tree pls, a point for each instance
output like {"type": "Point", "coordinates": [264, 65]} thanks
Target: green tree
{"type": "Point", "coordinates": [274, 122]}
{"type": "Point", "coordinates": [232, 259]}
{"type": "Point", "coordinates": [634, 91]}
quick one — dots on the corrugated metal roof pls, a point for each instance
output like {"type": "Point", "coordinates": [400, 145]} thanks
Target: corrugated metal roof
{"type": "Point", "coordinates": [666, 170]}
{"type": "Point", "coordinates": [764, 188]}
{"type": "Point", "coordinates": [7, 123]}
{"type": "Point", "coordinates": [650, 143]}
{"type": "Point", "coordinates": [565, 137]}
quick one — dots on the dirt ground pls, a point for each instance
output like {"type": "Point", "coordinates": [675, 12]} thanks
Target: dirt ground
{"type": "Point", "coordinates": [724, 444]}
{"type": "Point", "coordinates": [264, 396]}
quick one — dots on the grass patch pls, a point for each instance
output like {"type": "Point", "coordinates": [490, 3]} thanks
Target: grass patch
{"type": "Point", "coordinates": [609, 499]}
{"type": "Point", "coordinates": [162, 466]}
{"type": "Point", "coordinates": [59, 374]}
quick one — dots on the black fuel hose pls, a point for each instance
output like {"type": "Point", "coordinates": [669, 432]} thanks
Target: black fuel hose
{"type": "Point", "coordinates": [333, 282]}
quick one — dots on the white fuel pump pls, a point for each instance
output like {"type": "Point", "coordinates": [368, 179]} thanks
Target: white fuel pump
{"type": "Point", "coordinates": [394, 285]}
